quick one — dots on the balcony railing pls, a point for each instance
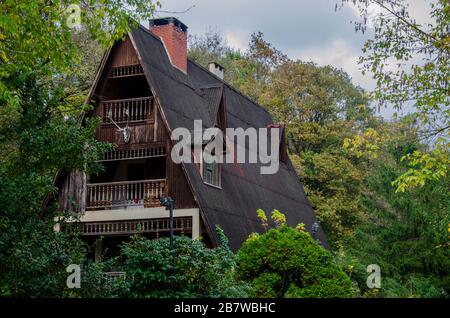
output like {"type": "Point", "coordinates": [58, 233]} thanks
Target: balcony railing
{"type": "Point", "coordinates": [123, 110]}
{"type": "Point", "coordinates": [145, 193]}
{"type": "Point", "coordinates": [125, 71]}
{"type": "Point", "coordinates": [139, 153]}
{"type": "Point", "coordinates": [182, 225]}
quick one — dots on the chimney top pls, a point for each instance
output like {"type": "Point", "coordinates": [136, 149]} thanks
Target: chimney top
{"type": "Point", "coordinates": [216, 69]}
{"type": "Point", "coordinates": [169, 20]}
{"type": "Point", "coordinates": [173, 34]}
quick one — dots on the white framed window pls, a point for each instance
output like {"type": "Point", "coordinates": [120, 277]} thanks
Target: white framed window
{"type": "Point", "coordinates": [210, 171]}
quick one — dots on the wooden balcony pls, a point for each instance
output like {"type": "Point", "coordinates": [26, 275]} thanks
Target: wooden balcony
{"type": "Point", "coordinates": [126, 71]}
{"type": "Point", "coordinates": [124, 110]}
{"type": "Point", "coordinates": [181, 225]}
{"type": "Point", "coordinates": [121, 195]}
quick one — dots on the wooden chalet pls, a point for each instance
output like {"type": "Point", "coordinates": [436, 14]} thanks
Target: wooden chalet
{"type": "Point", "coordinates": [144, 89]}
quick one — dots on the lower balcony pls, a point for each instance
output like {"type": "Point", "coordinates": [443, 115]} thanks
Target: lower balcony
{"type": "Point", "coordinates": [181, 225]}
{"type": "Point", "coordinates": [124, 194]}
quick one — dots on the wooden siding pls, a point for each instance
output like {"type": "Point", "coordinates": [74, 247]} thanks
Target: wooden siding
{"type": "Point", "coordinates": [178, 187]}
{"type": "Point", "coordinates": [72, 196]}
{"type": "Point", "coordinates": [140, 134]}
{"type": "Point", "coordinates": [124, 54]}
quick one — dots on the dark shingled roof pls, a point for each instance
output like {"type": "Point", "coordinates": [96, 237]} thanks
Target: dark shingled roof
{"type": "Point", "coordinates": [196, 95]}
{"type": "Point", "coordinates": [213, 95]}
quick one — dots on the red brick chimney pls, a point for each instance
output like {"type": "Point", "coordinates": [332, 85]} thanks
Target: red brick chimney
{"type": "Point", "coordinates": [173, 33]}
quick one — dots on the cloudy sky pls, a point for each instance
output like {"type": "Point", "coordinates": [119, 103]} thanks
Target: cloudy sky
{"type": "Point", "coordinates": [310, 30]}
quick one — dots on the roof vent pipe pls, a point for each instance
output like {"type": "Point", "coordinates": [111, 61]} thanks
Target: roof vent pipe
{"type": "Point", "coordinates": [216, 69]}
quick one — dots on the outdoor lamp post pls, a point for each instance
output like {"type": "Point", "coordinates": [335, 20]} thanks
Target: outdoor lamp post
{"type": "Point", "coordinates": [168, 203]}
{"type": "Point", "coordinates": [314, 229]}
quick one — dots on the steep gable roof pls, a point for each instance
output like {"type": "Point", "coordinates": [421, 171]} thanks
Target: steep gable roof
{"type": "Point", "coordinates": [196, 95]}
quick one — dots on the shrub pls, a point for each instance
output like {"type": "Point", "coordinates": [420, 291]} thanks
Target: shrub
{"type": "Point", "coordinates": [189, 270]}
{"type": "Point", "coordinates": [287, 262]}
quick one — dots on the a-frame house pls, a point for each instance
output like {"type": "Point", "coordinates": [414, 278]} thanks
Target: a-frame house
{"type": "Point", "coordinates": [145, 88]}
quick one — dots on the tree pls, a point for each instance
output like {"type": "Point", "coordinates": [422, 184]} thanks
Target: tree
{"type": "Point", "coordinates": [241, 71]}
{"type": "Point", "coordinates": [38, 137]}
{"type": "Point", "coordinates": [287, 262]}
{"type": "Point", "coordinates": [410, 63]}
{"type": "Point", "coordinates": [37, 141]}
{"type": "Point", "coordinates": [406, 234]}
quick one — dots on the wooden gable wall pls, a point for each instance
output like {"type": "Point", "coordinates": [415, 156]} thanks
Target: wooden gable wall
{"type": "Point", "coordinates": [124, 54]}
{"type": "Point", "coordinates": [151, 132]}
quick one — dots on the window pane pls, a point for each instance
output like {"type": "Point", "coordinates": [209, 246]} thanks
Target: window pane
{"type": "Point", "coordinates": [210, 171]}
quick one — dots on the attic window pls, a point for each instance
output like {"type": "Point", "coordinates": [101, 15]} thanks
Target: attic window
{"type": "Point", "coordinates": [210, 171]}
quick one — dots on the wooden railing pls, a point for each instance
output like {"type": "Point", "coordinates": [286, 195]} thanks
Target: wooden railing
{"type": "Point", "coordinates": [123, 110]}
{"type": "Point", "coordinates": [145, 193]}
{"type": "Point", "coordinates": [125, 71]}
{"type": "Point", "coordinates": [124, 154]}
{"type": "Point", "coordinates": [181, 225]}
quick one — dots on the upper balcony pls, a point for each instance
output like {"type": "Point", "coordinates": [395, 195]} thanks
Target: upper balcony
{"type": "Point", "coordinates": [127, 110]}
{"type": "Point", "coordinates": [126, 71]}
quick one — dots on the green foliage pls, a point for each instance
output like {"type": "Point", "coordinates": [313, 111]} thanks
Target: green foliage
{"type": "Point", "coordinates": [262, 217]}
{"type": "Point", "coordinates": [347, 160]}
{"type": "Point", "coordinates": [96, 284]}
{"type": "Point", "coordinates": [423, 167]}
{"type": "Point", "coordinates": [410, 62]}
{"type": "Point", "coordinates": [405, 233]}
{"type": "Point", "coordinates": [278, 217]}
{"type": "Point", "coordinates": [40, 75]}
{"type": "Point", "coordinates": [189, 270]}
{"type": "Point", "coordinates": [36, 33]}
{"type": "Point", "coordinates": [153, 270]}
{"type": "Point", "coordinates": [334, 186]}
{"type": "Point", "coordinates": [36, 142]}
{"type": "Point", "coordinates": [285, 262]}
{"type": "Point", "coordinates": [34, 258]}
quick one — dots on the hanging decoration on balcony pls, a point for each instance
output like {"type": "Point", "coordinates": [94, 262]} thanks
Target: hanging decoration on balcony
{"type": "Point", "coordinates": [125, 131]}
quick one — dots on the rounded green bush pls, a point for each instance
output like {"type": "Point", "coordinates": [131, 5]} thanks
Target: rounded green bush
{"type": "Point", "coordinates": [287, 262]}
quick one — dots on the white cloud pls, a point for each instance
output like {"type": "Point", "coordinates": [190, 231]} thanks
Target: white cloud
{"type": "Point", "coordinates": [340, 54]}
{"type": "Point", "coordinates": [373, 11]}
{"type": "Point", "coordinates": [305, 29]}
{"type": "Point", "coordinates": [236, 38]}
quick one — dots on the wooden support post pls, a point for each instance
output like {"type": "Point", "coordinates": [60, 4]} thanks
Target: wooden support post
{"type": "Point", "coordinates": [98, 250]}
